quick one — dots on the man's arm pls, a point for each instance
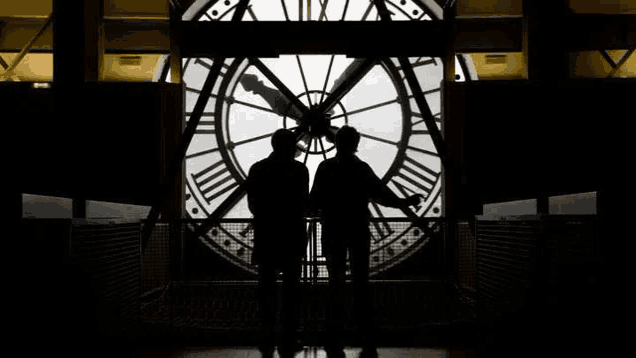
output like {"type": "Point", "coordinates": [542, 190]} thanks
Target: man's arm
{"type": "Point", "coordinates": [250, 189]}
{"type": "Point", "coordinates": [306, 203]}
{"type": "Point", "coordinates": [386, 197]}
{"type": "Point", "coordinates": [316, 191]}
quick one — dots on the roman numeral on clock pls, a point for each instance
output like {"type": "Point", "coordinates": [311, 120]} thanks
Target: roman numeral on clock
{"type": "Point", "coordinates": [205, 127]}
{"type": "Point", "coordinates": [210, 181]}
{"type": "Point", "coordinates": [415, 178]}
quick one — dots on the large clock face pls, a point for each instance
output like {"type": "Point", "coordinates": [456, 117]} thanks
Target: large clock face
{"type": "Point", "coordinates": [249, 103]}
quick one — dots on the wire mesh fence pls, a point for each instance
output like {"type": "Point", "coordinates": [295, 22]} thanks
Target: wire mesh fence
{"type": "Point", "coordinates": [221, 251]}
{"type": "Point", "coordinates": [203, 275]}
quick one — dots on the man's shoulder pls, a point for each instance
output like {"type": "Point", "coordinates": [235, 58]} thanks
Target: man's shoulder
{"type": "Point", "coordinates": [271, 164]}
{"type": "Point", "coordinates": [298, 164]}
{"type": "Point", "coordinates": [326, 165]}
{"type": "Point", "coordinates": [258, 165]}
{"type": "Point", "coordinates": [328, 162]}
{"type": "Point", "coordinates": [300, 168]}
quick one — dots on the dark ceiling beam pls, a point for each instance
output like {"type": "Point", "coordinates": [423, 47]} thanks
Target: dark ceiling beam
{"type": "Point", "coordinates": [581, 33]}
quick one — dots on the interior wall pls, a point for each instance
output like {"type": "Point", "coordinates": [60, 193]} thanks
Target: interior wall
{"type": "Point", "coordinates": [521, 140]}
{"type": "Point", "coordinates": [117, 156]}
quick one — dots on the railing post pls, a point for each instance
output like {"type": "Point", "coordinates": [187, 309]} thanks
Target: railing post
{"type": "Point", "coordinates": [314, 235]}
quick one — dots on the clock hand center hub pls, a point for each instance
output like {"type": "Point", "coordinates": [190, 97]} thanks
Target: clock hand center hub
{"type": "Point", "coordinates": [316, 123]}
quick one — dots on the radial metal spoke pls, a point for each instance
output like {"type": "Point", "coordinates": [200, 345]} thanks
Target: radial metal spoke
{"type": "Point", "coordinates": [302, 73]}
{"type": "Point", "coordinates": [308, 149]}
{"type": "Point", "coordinates": [378, 139]}
{"type": "Point", "coordinates": [253, 139]}
{"type": "Point", "coordinates": [198, 154]}
{"type": "Point", "coordinates": [261, 108]}
{"type": "Point", "coordinates": [322, 147]}
{"type": "Point", "coordinates": [344, 12]}
{"type": "Point", "coordinates": [324, 88]}
{"type": "Point", "coordinates": [364, 17]}
{"type": "Point", "coordinates": [252, 15]}
{"type": "Point", "coordinates": [366, 108]}
{"type": "Point", "coordinates": [285, 9]}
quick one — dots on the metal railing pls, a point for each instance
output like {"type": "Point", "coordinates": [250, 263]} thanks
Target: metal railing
{"type": "Point", "coordinates": [195, 254]}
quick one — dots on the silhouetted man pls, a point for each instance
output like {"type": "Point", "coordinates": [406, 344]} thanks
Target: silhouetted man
{"type": "Point", "coordinates": [277, 193]}
{"type": "Point", "coordinates": [342, 190]}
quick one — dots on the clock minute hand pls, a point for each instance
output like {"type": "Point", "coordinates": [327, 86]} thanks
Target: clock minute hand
{"type": "Point", "coordinates": [347, 80]}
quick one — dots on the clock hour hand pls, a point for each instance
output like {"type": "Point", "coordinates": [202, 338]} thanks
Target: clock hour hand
{"type": "Point", "coordinates": [275, 98]}
{"type": "Point", "coordinates": [356, 62]}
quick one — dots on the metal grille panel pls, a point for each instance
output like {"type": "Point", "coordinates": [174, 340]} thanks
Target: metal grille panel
{"type": "Point", "coordinates": [111, 253]}
{"type": "Point", "coordinates": [506, 259]}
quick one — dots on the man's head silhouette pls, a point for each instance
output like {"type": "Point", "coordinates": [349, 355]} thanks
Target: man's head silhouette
{"type": "Point", "coordinates": [347, 139]}
{"type": "Point", "coordinates": [284, 143]}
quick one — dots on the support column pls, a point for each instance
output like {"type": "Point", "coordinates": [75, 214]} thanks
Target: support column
{"type": "Point", "coordinates": [78, 41]}
{"type": "Point", "coordinates": [449, 57]}
{"type": "Point", "coordinates": [544, 46]}
{"type": "Point", "coordinates": [175, 43]}
{"type": "Point", "coordinates": [78, 57]}
{"type": "Point", "coordinates": [448, 208]}
{"type": "Point", "coordinates": [173, 126]}
{"type": "Point", "coordinates": [79, 207]}
{"type": "Point", "coordinates": [543, 204]}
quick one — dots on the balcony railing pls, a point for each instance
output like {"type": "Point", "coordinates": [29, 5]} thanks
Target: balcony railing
{"type": "Point", "coordinates": [226, 247]}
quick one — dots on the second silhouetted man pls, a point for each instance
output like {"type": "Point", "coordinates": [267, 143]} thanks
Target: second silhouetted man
{"type": "Point", "coordinates": [342, 190]}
